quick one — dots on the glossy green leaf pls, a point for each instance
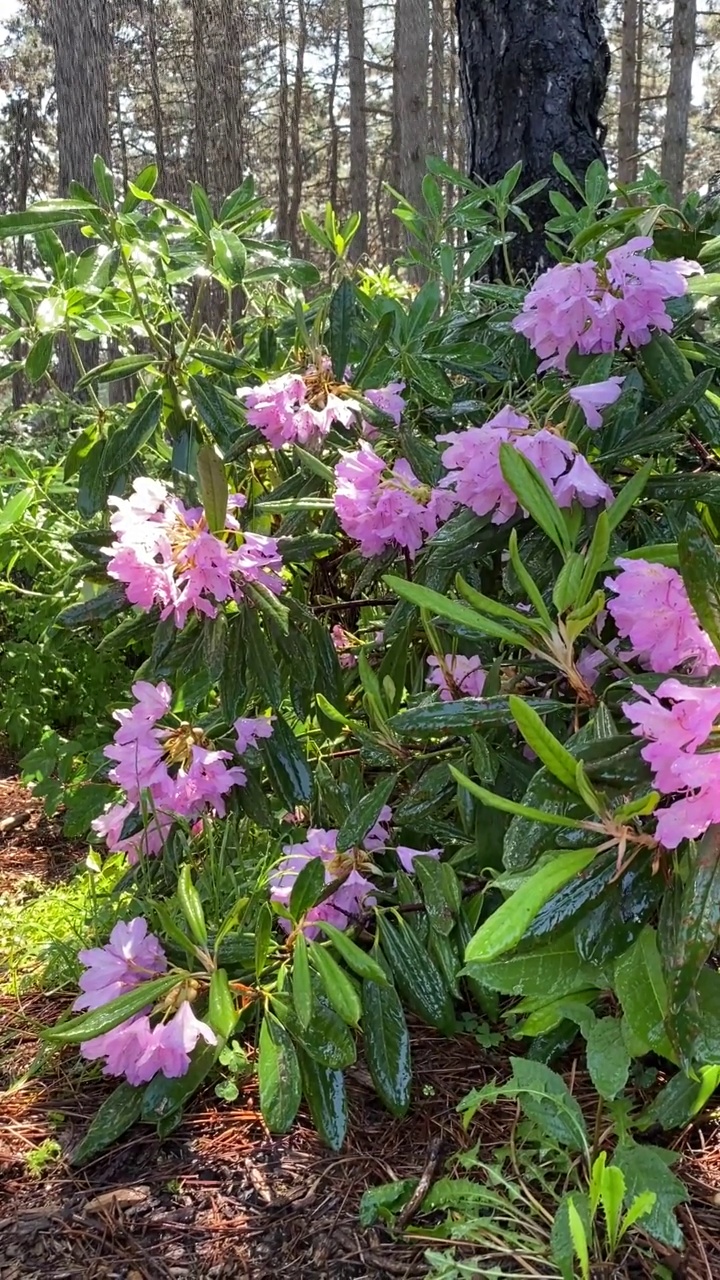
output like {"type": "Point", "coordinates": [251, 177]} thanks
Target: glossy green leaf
{"type": "Point", "coordinates": [326, 1097]}
{"type": "Point", "coordinates": [278, 1076]}
{"type": "Point", "coordinates": [387, 1046]}
{"type": "Point", "coordinates": [327, 1038]}
{"type": "Point", "coordinates": [435, 602]}
{"type": "Point", "coordinates": [222, 1011]}
{"type": "Point", "coordinates": [308, 888]}
{"type": "Point", "coordinates": [533, 494]}
{"type": "Point", "coordinates": [341, 322]}
{"type": "Point", "coordinates": [416, 975]}
{"type": "Point", "coordinates": [644, 1167]}
{"type": "Point", "coordinates": [301, 986]}
{"type": "Point", "coordinates": [339, 988]}
{"type": "Point", "coordinates": [553, 754]}
{"type": "Point", "coordinates": [37, 361]}
{"type": "Point", "coordinates": [494, 801]}
{"type": "Point", "coordinates": [355, 958]}
{"type": "Point", "coordinates": [191, 906]}
{"type": "Point", "coordinates": [688, 941]}
{"type": "Point", "coordinates": [642, 991]}
{"type": "Point", "coordinates": [165, 1097]}
{"type": "Point", "coordinates": [115, 1116]}
{"type": "Point", "coordinates": [365, 814]}
{"type": "Point", "coordinates": [104, 605]}
{"type": "Point", "coordinates": [286, 765]}
{"type": "Point", "coordinates": [608, 1060]}
{"type": "Point", "coordinates": [461, 716]}
{"type": "Point", "coordinates": [214, 489]}
{"type": "Point", "coordinates": [700, 569]}
{"type": "Point", "coordinates": [89, 1025]}
{"type": "Point", "coordinates": [508, 923]}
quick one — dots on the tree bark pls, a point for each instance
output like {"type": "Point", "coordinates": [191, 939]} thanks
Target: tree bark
{"type": "Point", "coordinates": [283, 154]}
{"type": "Point", "coordinates": [533, 79]}
{"type": "Point", "coordinates": [228, 78]}
{"type": "Point", "coordinates": [155, 93]}
{"type": "Point", "coordinates": [333, 124]}
{"type": "Point", "coordinates": [81, 43]}
{"type": "Point", "coordinates": [437, 78]}
{"type": "Point", "coordinates": [410, 106]}
{"type": "Point", "coordinates": [628, 119]}
{"type": "Point", "coordinates": [295, 126]}
{"type": "Point", "coordinates": [358, 125]}
{"type": "Point", "coordinates": [679, 97]}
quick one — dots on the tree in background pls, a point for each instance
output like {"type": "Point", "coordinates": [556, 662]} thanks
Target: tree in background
{"type": "Point", "coordinates": [679, 97]}
{"type": "Point", "coordinates": [533, 79]}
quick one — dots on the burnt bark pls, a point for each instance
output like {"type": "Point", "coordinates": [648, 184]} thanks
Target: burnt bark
{"type": "Point", "coordinates": [533, 79]}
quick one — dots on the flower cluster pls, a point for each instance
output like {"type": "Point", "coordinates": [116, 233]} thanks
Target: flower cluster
{"type": "Point", "coordinates": [651, 609]}
{"type": "Point", "coordinates": [680, 753]}
{"type": "Point", "coordinates": [136, 1049]}
{"type": "Point", "coordinates": [598, 309]}
{"type": "Point", "coordinates": [472, 460]}
{"type": "Point", "coordinates": [380, 507]}
{"type": "Point", "coordinates": [354, 890]}
{"type": "Point", "coordinates": [456, 676]}
{"type": "Point", "coordinates": [170, 772]}
{"type": "Point", "coordinates": [165, 554]}
{"type": "Point", "coordinates": [301, 408]}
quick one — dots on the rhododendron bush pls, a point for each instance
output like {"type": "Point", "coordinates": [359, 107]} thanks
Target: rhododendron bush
{"type": "Point", "coordinates": [418, 598]}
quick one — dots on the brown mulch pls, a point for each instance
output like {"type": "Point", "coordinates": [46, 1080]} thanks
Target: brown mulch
{"type": "Point", "coordinates": [223, 1198]}
{"type": "Point", "coordinates": [31, 844]}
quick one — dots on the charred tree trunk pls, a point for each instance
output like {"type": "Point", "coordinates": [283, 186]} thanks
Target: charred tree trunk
{"type": "Point", "coordinates": [533, 79]}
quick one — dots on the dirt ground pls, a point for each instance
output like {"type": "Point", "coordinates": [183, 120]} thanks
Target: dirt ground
{"type": "Point", "coordinates": [223, 1198]}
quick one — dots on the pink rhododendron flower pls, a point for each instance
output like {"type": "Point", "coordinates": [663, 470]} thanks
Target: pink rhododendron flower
{"type": "Point", "coordinates": [456, 676]}
{"type": "Point", "coordinates": [138, 1051]}
{"type": "Point", "coordinates": [250, 729]}
{"type": "Point", "coordinates": [165, 554]}
{"type": "Point", "coordinates": [380, 507]}
{"type": "Point", "coordinates": [299, 408]}
{"type": "Point", "coordinates": [130, 957]}
{"type": "Point", "coordinates": [388, 399]}
{"type": "Point", "coordinates": [166, 773]}
{"type": "Point", "coordinates": [343, 646]}
{"type": "Point", "coordinates": [472, 460]}
{"type": "Point", "coordinates": [595, 396]}
{"type": "Point", "coordinates": [679, 751]}
{"type": "Point", "coordinates": [599, 309]}
{"type": "Point", "coordinates": [406, 856]}
{"type": "Point", "coordinates": [347, 901]}
{"type": "Point", "coordinates": [651, 609]}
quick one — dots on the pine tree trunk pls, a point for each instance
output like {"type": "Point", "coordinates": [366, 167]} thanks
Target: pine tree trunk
{"type": "Point", "coordinates": [533, 78]}
{"type": "Point", "coordinates": [295, 126]}
{"type": "Point", "coordinates": [410, 106]}
{"type": "Point", "coordinates": [283, 154]}
{"type": "Point", "coordinates": [437, 77]}
{"type": "Point", "coordinates": [358, 128]}
{"type": "Point", "coordinates": [679, 97]}
{"type": "Point", "coordinates": [228, 152]}
{"type": "Point", "coordinates": [333, 174]}
{"type": "Point", "coordinates": [155, 93]}
{"type": "Point", "coordinates": [628, 120]}
{"type": "Point", "coordinates": [81, 42]}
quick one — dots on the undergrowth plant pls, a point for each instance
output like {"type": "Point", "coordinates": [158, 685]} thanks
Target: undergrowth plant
{"type": "Point", "coordinates": [377, 628]}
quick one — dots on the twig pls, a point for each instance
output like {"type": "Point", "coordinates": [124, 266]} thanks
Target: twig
{"type": "Point", "coordinates": [435, 1151]}
{"type": "Point", "coordinates": [352, 604]}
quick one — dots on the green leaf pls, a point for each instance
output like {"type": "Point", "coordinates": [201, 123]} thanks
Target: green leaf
{"type": "Point", "coordinates": [681, 1098]}
{"type": "Point", "coordinates": [642, 992]}
{"type": "Point", "coordinates": [39, 356]}
{"type": "Point", "coordinates": [340, 323]}
{"type": "Point", "coordinates": [545, 745]}
{"type": "Point", "coordinates": [114, 370]}
{"type": "Point", "coordinates": [128, 440]}
{"type": "Point", "coordinates": [339, 988]}
{"type": "Point", "coordinates": [508, 923]}
{"type": "Point", "coordinates": [355, 958]}
{"type": "Point", "coordinates": [301, 985]}
{"type": "Point", "coordinates": [533, 494]}
{"type": "Point", "coordinates": [387, 1046]}
{"type": "Point", "coordinates": [548, 1103]}
{"type": "Point", "coordinates": [547, 972]}
{"type": "Point", "coordinates": [461, 716]}
{"type": "Point", "coordinates": [645, 1168]}
{"type": "Point", "coordinates": [44, 214]}
{"type": "Point", "coordinates": [700, 569]}
{"type": "Point", "coordinates": [201, 208]}
{"type": "Point", "coordinates": [689, 940]}
{"type": "Point", "coordinates": [165, 1097]}
{"type": "Point", "coordinates": [191, 906]}
{"type": "Point", "coordinates": [440, 891]}
{"type": "Point", "coordinates": [221, 414]}
{"type": "Point", "coordinates": [416, 974]}
{"type": "Point", "coordinates": [104, 181]}
{"type": "Point", "coordinates": [263, 937]}
{"type": "Point", "coordinates": [89, 1025]}
{"type": "Point", "coordinates": [327, 1038]}
{"type": "Point", "coordinates": [230, 255]}
{"type": "Point", "coordinates": [626, 499]}
{"type": "Point", "coordinates": [115, 1116]}
{"type": "Point", "coordinates": [494, 801]}
{"type": "Point", "coordinates": [222, 1010]}
{"type": "Point", "coordinates": [608, 1060]}
{"type": "Point", "coordinates": [308, 888]}
{"type": "Point", "coordinates": [286, 765]}
{"type": "Point", "coordinates": [104, 605]}
{"type": "Point", "coordinates": [325, 1094]}
{"type": "Point", "coordinates": [365, 814]}
{"type": "Point", "coordinates": [579, 1238]}
{"type": "Point", "coordinates": [278, 1076]}
{"type": "Point", "coordinates": [435, 602]}
{"type": "Point", "coordinates": [214, 489]}
{"type": "Point", "coordinates": [93, 484]}
{"type": "Point", "coordinates": [669, 374]}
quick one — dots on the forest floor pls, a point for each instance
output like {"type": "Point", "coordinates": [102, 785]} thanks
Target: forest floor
{"type": "Point", "coordinates": [221, 1197]}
